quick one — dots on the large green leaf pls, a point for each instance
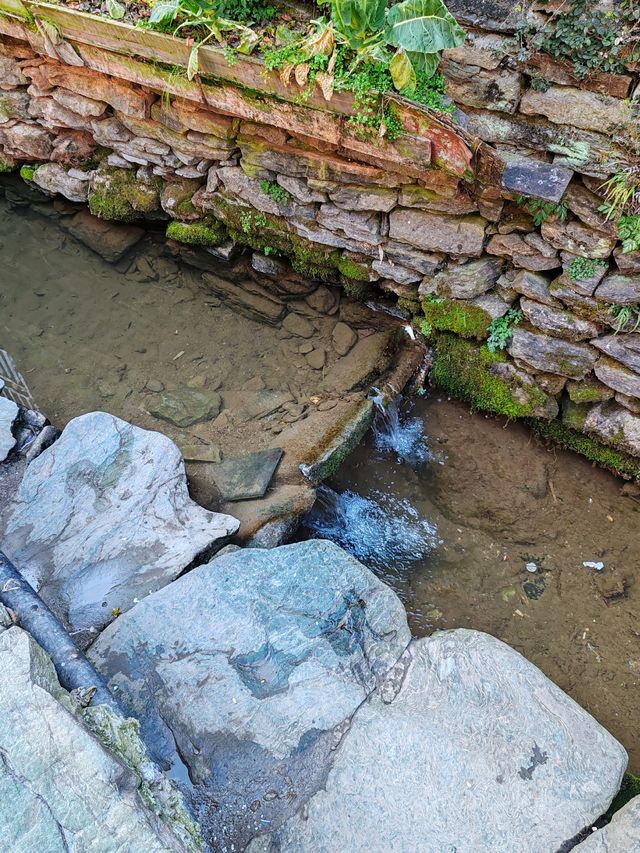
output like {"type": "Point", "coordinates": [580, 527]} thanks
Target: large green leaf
{"type": "Point", "coordinates": [164, 12]}
{"type": "Point", "coordinates": [358, 20]}
{"type": "Point", "coordinates": [423, 26]}
{"type": "Point", "coordinates": [402, 71]}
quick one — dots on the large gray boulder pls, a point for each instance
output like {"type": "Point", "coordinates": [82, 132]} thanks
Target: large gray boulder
{"type": "Point", "coordinates": [247, 670]}
{"type": "Point", "coordinates": [465, 747]}
{"type": "Point", "coordinates": [60, 789]}
{"type": "Point", "coordinates": [622, 835]}
{"type": "Point", "coordinates": [102, 518]}
{"type": "Point", "coordinates": [8, 415]}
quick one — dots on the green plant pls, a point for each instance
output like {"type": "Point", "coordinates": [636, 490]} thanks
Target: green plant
{"type": "Point", "coordinates": [199, 16]}
{"type": "Point", "coordinates": [269, 250]}
{"type": "Point", "coordinates": [625, 316]}
{"type": "Point", "coordinates": [539, 83]}
{"type": "Point", "coordinates": [543, 210]}
{"type": "Point", "coordinates": [584, 268]}
{"type": "Point", "coordinates": [277, 193]}
{"type": "Point", "coordinates": [115, 10]}
{"type": "Point", "coordinates": [501, 329]}
{"type": "Point", "coordinates": [250, 220]}
{"type": "Point", "coordinates": [590, 37]}
{"type": "Point", "coordinates": [622, 193]}
{"type": "Point", "coordinates": [629, 231]}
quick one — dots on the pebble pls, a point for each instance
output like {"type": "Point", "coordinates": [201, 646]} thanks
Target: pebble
{"type": "Point", "coordinates": [591, 564]}
{"type": "Point", "coordinates": [305, 348]}
{"type": "Point", "coordinates": [155, 385]}
{"type": "Point", "coordinates": [316, 359]}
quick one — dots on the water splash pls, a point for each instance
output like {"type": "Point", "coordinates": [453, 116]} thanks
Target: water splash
{"type": "Point", "coordinates": [397, 432]}
{"type": "Point", "coordinates": [385, 533]}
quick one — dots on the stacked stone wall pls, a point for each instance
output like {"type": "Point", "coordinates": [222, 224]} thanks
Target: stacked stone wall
{"type": "Point", "coordinates": [445, 221]}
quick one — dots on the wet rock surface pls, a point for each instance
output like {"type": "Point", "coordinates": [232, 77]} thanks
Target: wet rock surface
{"type": "Point", "coordinates": [102, 518]}
{"type": "Point", "coordinates": [246, 666]}
{"type": "Point", "coordinates": [462, 718]}
{"type": "Point", "coordinates": [61, 789]}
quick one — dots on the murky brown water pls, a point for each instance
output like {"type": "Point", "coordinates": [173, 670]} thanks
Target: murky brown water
{"type": "Point", "coordinates": [500, 499]}
{"type": "Point", "coordinates": [90, 336]}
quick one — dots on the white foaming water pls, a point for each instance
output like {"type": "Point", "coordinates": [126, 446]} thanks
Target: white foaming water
{"type": "Point", "coordinates": [384, 532]}
{"type": "Point", "coordinates": [400, 434]}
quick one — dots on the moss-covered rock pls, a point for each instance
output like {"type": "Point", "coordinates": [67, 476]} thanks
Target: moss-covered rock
{"type": "Point", "coordinates": [471, 373]}
{"type": "Point", "coordinates": [574, 414]}
{"type": "Point", "coordinates": [564, 435]}
{"type": "Point", "coordinates": [176, 199]}
{"type": "Point", "coordinates": [7, 163]}
{"type": "Point", "coordinates": [454, 315]}
{"type": "Point", "coordinates": [354, 267]}
{"type": "Point", "coordinates": [250, 227]}
{"type": "Point", "coordinates": [206, 232]}
{"type": "Point", "coordinates": [588, 390]}
{"type": "Point", "coordinates": [117, 194]}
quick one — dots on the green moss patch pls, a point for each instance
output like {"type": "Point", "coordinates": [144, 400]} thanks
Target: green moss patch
{"type": "Point", "coordinates": [206, 232]}
{"type": "Point", "coordinates": [353, 269]}
{"type": "Point", "coordinates": [564, 435]}
{"type": "Point", "coordinates": [116, 194]}
{"type": "Point", "coordinates": [27, 172]}
{"type": "Point", "coordinates": [574, 414]}
{"type": "Point", "coordinates": [464, 370]}
{"type": "Point", "coordinates": [452, 315]}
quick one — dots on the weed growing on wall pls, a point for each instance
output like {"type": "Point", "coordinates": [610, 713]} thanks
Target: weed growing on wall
{"type": "Point", "coordinates": [543, 210]}
{"type": "Point", "coordinates": [275, 191]}
{"type": "Point", "coordinates": [584, 268]}
{"type": "Point", "coordinates": [501, 329]}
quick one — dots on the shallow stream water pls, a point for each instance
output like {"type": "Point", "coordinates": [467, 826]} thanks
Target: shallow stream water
{"type": "Point", "coordinates": [470, 519]}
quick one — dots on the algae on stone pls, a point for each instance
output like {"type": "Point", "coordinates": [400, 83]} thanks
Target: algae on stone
{"type": "Point", "coordinates": [117, 194]}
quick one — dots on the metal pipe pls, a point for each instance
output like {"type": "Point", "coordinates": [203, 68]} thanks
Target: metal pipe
{"type": "Point", "coordinates": [73, 668]}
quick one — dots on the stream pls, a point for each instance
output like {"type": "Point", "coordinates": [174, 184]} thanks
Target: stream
{"type": "Point", "coordinates": [470, 519]}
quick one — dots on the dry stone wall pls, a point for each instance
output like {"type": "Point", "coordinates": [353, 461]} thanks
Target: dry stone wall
{"type": "Point", "coordinates": [441, 221]}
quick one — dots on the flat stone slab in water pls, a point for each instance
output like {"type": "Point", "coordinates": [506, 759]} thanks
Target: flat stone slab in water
{"type": "Point", "coordinates": [467, 747]}
{"type": "Point", "coordinates": [250, 662]}
{"type": "Point", "coordinates": [102, 518]}
{"type": "Point", "coordinates": [244, 477]}
{"type": "Point", "coordinates": [8, 415]}
{"type": "Point", "coordinates": [60, 789]}
{"type": "Point", "coordinates": [186, 406]}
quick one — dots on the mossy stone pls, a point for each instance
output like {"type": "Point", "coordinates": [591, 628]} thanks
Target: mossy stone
{"type": "Point", "coordinates": [353, 269]}
{"type": "Point", "coordinates": [454, 315]}
{"type": "Point", "coordinates": [564, 435]}
{"type": "Point", "coordinates": [117, 195]}
{"type": "Point", "coordinates": [574, 414]}
{"type": "Point", "coordinates": [463, 370]}
{"type": "Point", "coordinates": [206, 232]}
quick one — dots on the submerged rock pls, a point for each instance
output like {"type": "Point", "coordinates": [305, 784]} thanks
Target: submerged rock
{"type": "Point", "coordinates": [8, 415]}
{"type": "Point", "coordinates": [102, 518]}
{"type": "Point", "coordinates": [466, 746]}
{"type": "Point", "coordinates": [247, 665]}
{"type": "Point", "coordinates": [186, 406]}
{"type": "Point", "coordinates": [61, 789]}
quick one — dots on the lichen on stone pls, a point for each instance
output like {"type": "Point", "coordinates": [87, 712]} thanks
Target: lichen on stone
{"type": "Point", "coordinates": [121, 736]}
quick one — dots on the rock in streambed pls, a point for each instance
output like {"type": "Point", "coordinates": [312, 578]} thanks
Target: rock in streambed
{"type": "Point", "coordinates": [102, 518]}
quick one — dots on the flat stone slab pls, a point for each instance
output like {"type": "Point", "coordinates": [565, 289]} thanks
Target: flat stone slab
{"type": "Point", "coordinates": [250, 663]}
{"type": "Point", "coordinates": [60, 789]}
{"type": "Point", "coordinates": [102, 518]}
{"type": "Point", "coordinates": [186, 406]}
{"type": "Point", "coordinates": [8, 415]}
{"type": "Point", "coordinates": [536, 179]}
{"type": "Point", "coordinates": [108, 239]}
{"type": "Point", "coordinates": [466, 747]}
{"type": "Point", "coordinates": [622, 835]}
{"type": "Point", "coordinates": [241, 478]}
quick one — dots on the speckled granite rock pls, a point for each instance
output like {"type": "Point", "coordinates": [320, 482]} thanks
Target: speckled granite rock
{"type": "Point", "coordinates": [250, 663]}
{"type": "Point", "coordinates": [102, 518]}
{"type": "Point", "coordinates": [60, 789]}
{"type": "Point", "coordinates": [465, 747]}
